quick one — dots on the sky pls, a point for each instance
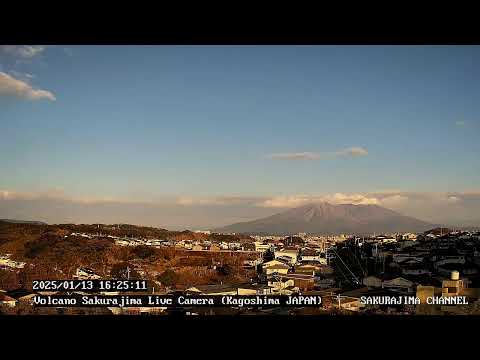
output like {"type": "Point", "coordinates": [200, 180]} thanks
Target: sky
{"type": "Point", "coordinates": [202, 136]}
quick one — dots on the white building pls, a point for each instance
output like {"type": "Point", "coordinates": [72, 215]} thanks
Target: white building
{"type": "Point", "coordinates": [292, 254]}
{"type": "Point", "coordinates": [6, 261]}
{"type": "Point", "coordinates": [277, 268]}
{"type": "Point", "coordinates": [261, 247]}
{"type": "Point", "coordinates": [7, 300]}
{"type": "Point", "coordinates": [84, 273]}
{"type": "Point", "coordinates": [409, 236]}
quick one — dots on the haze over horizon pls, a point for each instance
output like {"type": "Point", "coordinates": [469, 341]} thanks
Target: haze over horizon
{"type": "Point", "coordinates": [206, 136]}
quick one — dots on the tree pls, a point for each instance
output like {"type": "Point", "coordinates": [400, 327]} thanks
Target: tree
{"type": "Point", "coordinates": [124, 270]}
{"type": "Point", "coordinates": [225, 270]}
{"type": "Point", "coordinates": [143, 252]}
{"type": "Point", "coordinates": [168, 277]}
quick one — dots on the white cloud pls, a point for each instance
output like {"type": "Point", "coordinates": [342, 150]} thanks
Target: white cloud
{"type": "Point", "coordinates": [285, 201]}
{"type": "Point", "coordinates": [349, 152]}
{"type": "Point", "coordinates": [388, 199]}
{"type": "Point", "coordinates": [219, 200]}
{"type": "Point", "coordinates": [299, 200]}
{"type": "Point", "coordinates": [295, 156]}
{"type": "Point", "coordinates": [188, 201]}
{"type": "Point", "coordinates": [22, 51]}
{"type": "Point", "coordinates": [10, 86]}
{"type": "Point", "coordinates": [455, 208]}
{"type": "Point", "coordinates": [32, 195]}
{"type": "Point", "coordinates": [356, 199]}
{"type": "Point", "coordinates": [394, 200]}
{"type": "Point", "coordinates": [352, 152]}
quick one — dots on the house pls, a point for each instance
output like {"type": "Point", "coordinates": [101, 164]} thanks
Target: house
{"type": "Point", "coordinates": [271, 263]}
{"type": "Point", "coordinates": [197, 247]}
{"type": "Point", "coordinates": [401, 257]}
{"type": "Point", "coordinates": [281, 285]}
{"type": "Point", "coordinates": [86, 273]}
{"type": "Point", "coordinates": [372, 282]}
{"type": "Point", "coordinates": [234, 245]}
{"type": "Point", "coordinates": [22, 295]}
{"type": "Point", "coordinates": [252, 263]}
{"type": "Point", "coordinates": [423, 293]}
{"type": "Point", "coordinates": [399, 284]}
{"type": "Point", "coordinates": [180, 244]}
{"type": "Point", "coordinates": [416, 271]}
{"type": "Point", "coordinates": [277, 268]}
{"type": "Point", "coordinates": [7, 300]}
{"type": "Point", "coordinates": [353, 298]}
{"type": "Point", "coordinates": [254, 289]}
{"type": "Point", "coordinates": [450, 287]}
{"type": "Point", "coordinates": [453, 286]}
{"type": "Point", "coordinates": [292, 254]}
{"type": "Point", "coordinates": [409, 236]}
{"type": "Point", "coordinates": [326, 270]}
{"type": "Point", "coordinates": [388, 240]}
{"type": "Point", "coordinates": [405, 244]}
{"type": "Point", "coordinates": [259, 246]}
{"type": "Point", "coordinates": [334, 300]}
{"type": "Point", "coordinates": [248, 247]}
{"type": "Point", "coordinates": [6, 261]}
{"type": "Point", "coordinates": [213, 290]}
{"type": "Point", "coordinates": [306, 269]}
{"type": "Point", "coordinates": [214, 247]}
{"type": "Point", "coordinates": [286, 260]}
{"type": "Point", "coordinates": [301, 281]}
{"type": "Point", "coordinates": [449, 260]}
{"type": "Point", "coordinates": [310, 255]}
{"type": "Point", "coordinates": [324, 283]}
{"type": "Point", "coordinates": [410, 262]}
{"type": "Point", "coordinates": [347, 303]}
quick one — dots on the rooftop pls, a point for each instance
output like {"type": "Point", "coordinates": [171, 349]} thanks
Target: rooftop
{"type": "Point", "coordinates": [4, 297]}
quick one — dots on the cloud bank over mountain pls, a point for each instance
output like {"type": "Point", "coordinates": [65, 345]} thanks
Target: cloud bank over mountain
{"type": "Point", "coordinates": [177, 212]}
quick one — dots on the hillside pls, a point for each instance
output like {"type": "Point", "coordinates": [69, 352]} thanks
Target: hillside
{"type": "Point", "coordinates": [23, 222]}
{"type": "Point", "coordinates": [55, 252]}
{"type": "Point", "coordinates": [16, 236]}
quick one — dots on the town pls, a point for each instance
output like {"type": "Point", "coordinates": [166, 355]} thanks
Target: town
{"type": "Point", "coordinates": [347, 271]}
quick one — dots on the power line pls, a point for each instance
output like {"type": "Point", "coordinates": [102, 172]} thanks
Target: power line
{"type": "Point", "coordinates": [356, 279]}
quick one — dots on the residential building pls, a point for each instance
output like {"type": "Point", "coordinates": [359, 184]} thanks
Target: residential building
{"type": "Point", "coordinates": [213, 290]}
{"type": "Point", "coordinates": [287, 253]}
{"type": "Point", "coordinates": [372, 281]}
{"type": "Point", "coordinates": [399, 284]}
{"type": "Point", "coordinates": [261, 247]}
{"type": "Point", "coordinates": [86, 273]}
{"type": "Point", "coordinates": [277, 268]}
{"type": "Point", "coordinates": [7, 300]}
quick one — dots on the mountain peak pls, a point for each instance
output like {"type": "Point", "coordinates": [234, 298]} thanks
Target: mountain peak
{"type": "Point", "coordinates": [326, 218]}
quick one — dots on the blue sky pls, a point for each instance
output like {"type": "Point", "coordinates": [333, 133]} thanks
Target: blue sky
{"type": "Point", "coordinates": [144, 122]}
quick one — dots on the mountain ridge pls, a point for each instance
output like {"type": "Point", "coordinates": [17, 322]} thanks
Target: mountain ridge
{"type": "Point", "coordinates": [15, 221]}
{"type": "Point", "coordinates": [326, 218]}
